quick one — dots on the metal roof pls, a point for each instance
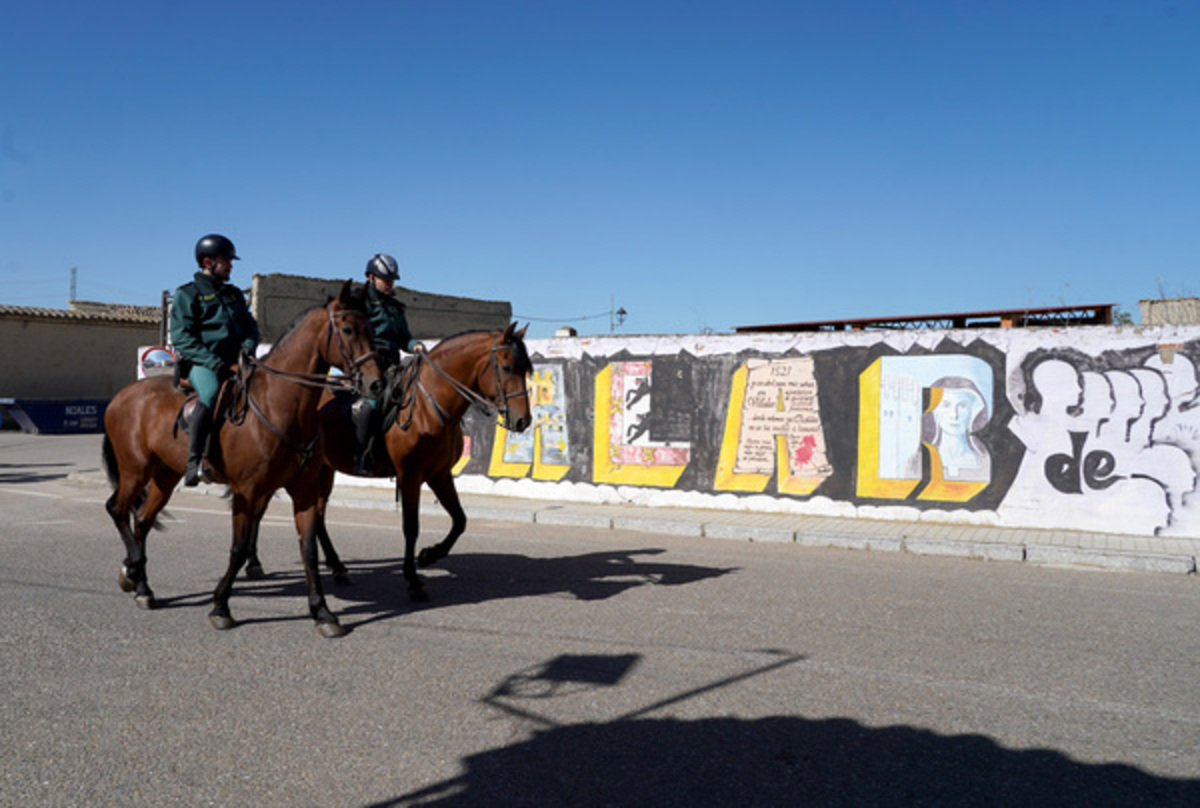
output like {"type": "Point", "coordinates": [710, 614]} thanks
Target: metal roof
{"type": "Point", "coordinates": [999, 318]}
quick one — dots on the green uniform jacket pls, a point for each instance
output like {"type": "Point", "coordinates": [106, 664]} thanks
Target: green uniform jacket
{"type": "Point", "coordinates": [389, 324]}
{"type": "Point", "coordinates": [210, 323]}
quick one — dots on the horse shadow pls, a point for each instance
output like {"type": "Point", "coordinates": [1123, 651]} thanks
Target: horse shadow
{"type": "Point", "coordinates": [781, 760]}
{"type": "Point", "coordinates": [18, 473]}
{"type": "Point", "coordinates": [377, 590]}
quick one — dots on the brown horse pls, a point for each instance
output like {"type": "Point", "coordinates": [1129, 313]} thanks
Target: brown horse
{"type": "Point", "coordinates": [487, 369]}
{"type": "Point", "coordinates": [274, 445]}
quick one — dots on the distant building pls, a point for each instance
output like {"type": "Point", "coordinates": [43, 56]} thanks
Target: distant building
{"type": "Point", "coordinates": [89, 349]}
{"type": "Point", "coordinates": [1173, 311]}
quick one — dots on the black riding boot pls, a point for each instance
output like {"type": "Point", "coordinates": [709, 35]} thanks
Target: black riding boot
{"type": "Point", "coordinates": [364, 432]}
{"type": "Point", "coordinates": [198, 426]}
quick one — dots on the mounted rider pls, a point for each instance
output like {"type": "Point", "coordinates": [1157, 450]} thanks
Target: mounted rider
{"type": "Point", "coordinates": [391, 335]}
{"type": "Point", "coordinates": [211, 326]}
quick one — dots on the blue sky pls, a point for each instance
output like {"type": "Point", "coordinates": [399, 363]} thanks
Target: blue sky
{"type": "Point", "coordinates": [701, 164]}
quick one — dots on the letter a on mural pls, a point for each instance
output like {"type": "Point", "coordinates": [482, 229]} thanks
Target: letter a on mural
{"type": "Point", "coordinates": [773, 428]}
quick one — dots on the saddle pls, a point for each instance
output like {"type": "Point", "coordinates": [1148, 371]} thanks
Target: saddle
{"type": "Point", "coordinates": [230, 405]}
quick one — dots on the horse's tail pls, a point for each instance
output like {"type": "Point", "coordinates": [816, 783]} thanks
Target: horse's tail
{"type": "Point", "coordinates": [114, 478]}
{"type": "Point", "coordinates": [110, 462]}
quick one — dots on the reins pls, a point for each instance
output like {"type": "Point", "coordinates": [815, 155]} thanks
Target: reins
{"type": "Point", "coordinates": [323, 380]}
{"type": "Point", "coordinates": [248, 365]}
{"type": "Point", "coordinates": [490, 408]}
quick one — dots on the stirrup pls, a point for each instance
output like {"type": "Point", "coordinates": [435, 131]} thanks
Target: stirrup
{"type": "Point", "coordinates": [195, 474]}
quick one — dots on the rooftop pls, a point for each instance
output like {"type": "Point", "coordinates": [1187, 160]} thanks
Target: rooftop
{"type": "Point", "coordinates": [1000, 318]}
{"type": "Point", "coordinates": [87, 310]}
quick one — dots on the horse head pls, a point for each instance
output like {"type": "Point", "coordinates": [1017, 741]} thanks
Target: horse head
{"type": "Point", "coordinates": [510, 368]}
{"type": "Point", "coordinates": [350, 332]}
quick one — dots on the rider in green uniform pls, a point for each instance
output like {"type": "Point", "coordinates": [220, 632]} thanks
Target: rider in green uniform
{"type": "Point", "coordinates": [210, 326]}
{"type": "Point", "coordinates": [389, 325]}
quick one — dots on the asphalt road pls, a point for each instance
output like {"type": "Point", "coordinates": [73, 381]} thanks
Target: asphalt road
{"type": "Point", "coordinates": [564, 666]}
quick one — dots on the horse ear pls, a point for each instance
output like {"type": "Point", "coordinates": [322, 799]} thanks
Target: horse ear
{"type": "Point", "coordinates": [508, 333]}
{"type": "Point", "coordinates": [344, 295]}
{"type": "Point", "coordinates": [521, 333]}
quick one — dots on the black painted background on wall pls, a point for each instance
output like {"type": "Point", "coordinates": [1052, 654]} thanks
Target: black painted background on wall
{"type": "Point", "coordinates": [695, 392]}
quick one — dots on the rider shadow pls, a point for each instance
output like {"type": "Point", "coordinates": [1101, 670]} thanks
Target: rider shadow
{"type": "Point", "coordinates": [379, 591]}
{"type": "Point", "coordinates": [647, 757]}
{"type": "Point", "coordinates": [783, 761]}
{"type": "Point", "coordinates": [16, 473]}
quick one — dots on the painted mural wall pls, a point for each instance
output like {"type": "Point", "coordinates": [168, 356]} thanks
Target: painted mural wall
{"type": "Point", "coordinates": [1091, 428]}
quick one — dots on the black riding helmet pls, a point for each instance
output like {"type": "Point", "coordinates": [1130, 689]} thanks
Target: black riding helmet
{"type": "Point", "coordinates": [214, 246]}
{"type": "Point", "coordinates": [383, 266]}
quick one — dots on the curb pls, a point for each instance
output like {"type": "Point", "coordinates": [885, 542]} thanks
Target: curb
{"type": "Point", "coordinates": [1022, 550]}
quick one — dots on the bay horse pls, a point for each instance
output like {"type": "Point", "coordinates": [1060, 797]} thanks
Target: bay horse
{"type": "Point", "coordinates": [276, 445]}
{"type": "Point", "coordinates": [487, 369]}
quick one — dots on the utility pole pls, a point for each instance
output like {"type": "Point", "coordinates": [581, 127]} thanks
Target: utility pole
{"type": "Point", "coordinates": [162, 320]}
{"type": "Point", "coordinates": [74, 275]}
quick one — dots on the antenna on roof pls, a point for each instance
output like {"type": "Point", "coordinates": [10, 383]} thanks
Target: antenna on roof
{"type": "Point", "coordinates": [74, 275]}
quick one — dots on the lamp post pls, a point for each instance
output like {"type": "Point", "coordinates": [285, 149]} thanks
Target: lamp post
{"type": "Point", "coordinates": [616, 317]}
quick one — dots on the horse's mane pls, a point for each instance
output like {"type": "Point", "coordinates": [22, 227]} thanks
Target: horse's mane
{"type": "Point", "coordinates": [292, 326]}
{"type": "Point", "coordinates": [355, 303]}
{"type": "Point", "coordinates": [521, 361]}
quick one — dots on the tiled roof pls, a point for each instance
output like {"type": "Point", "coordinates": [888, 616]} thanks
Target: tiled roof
{"type": "Point", "coordinates": [85, 310]}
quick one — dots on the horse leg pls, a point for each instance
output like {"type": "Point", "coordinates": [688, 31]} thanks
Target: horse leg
{"type": "Point", "coordinates": [146, 519]}
{"type": "Point", "coordinates": [134, 523]}
{"type": "Point", "coordinates": [306, 526]}
{"type": "Point", "coordinates": [341, 575]}
{"type": "Point", "coordinates": [132, 572]}
{"type": "Point", "coordinates": [410, 505]}
{"type": "Point", "coordinates": [442, 485]}
{"type": "Point", "coordinates": [246, 516]}
{"type": "Point", "coordinates": [254, 567]}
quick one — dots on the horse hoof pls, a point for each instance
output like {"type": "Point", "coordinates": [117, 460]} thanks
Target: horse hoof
{"type": "Point", "coordinates": [426, 558]}
{"type": "Point", "coordinates": [146, 602]}
{"type": "Point", "coordinates": [342, 578]}
{"type": "Point", "coordinates": [255, 572]}
{"type": "Point", "coordinates": [418, 594]}
{"type": "Point", "coordinates": [331, 631]}
{"type": "Point", "coordinates": [222, 622]}
{"type": "Point", "coordinates": [123, 580]}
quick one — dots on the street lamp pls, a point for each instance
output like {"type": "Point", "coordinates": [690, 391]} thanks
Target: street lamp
{"type": "Point", "coordinates": [615, 318]}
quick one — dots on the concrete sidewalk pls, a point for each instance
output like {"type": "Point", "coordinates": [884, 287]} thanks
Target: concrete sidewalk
{"type": "Point", "coordinates": [77, 456]}
{"type": "Point", "coordinates": [1052, 547]}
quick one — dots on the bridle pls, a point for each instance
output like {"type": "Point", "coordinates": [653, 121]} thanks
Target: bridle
{"type": "Point", "coordinates": [354, 366]}
{"type": "Point", "coordinates": [334, 383]}
{"type": "Point", "coordinates": [492, 407]}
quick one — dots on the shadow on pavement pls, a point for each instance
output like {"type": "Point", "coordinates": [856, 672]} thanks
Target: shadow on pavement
{"type": "Point", "coordinates": [378, 591]}
{"type": "Point", "coordinates": [16, 473]}
{"type": "Point", "coordinates": [470, 578]}
{"type": "Point", "coordinates": [784, 761]}
{"type": "Point", "coordinates": [636, 760]}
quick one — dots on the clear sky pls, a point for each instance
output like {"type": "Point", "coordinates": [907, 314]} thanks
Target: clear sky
{"type": "Point", "coordinates": [703, 164]}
